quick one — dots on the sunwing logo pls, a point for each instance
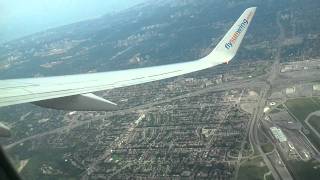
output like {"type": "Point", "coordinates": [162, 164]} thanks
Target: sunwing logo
{"type": "Point", "coordinates": [235, 36]}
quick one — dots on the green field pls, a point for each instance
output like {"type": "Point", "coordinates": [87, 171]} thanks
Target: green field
{"type": "Point", "coordinates": [315, 123]}
{"type": "Point", "coordinates": [302, 107]}
{"type": "Point", "coordinates": [280, 106]}
{"type": "Point", "coordinates": [267, 147]}
{"type": "Point", "coordinates": [50, 158]}
{"type": "Point", "coordinates": [269, 177]}
{"type": "Point", "coordinates": [275, 110]}
{"type": "Point", "coordinates": [305, 170]}
{"type": "Point", "coordinates": [252, 170]}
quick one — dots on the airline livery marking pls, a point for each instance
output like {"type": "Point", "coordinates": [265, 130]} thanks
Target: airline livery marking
{"type": "Point", "coordinates": [235, 36]}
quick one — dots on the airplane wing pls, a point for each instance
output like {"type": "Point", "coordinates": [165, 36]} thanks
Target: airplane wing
{"type": "Point", "coordinates": [74, 92]}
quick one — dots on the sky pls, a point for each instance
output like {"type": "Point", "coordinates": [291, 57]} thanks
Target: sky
{"type": "Point", "coordinates": [23, 17]}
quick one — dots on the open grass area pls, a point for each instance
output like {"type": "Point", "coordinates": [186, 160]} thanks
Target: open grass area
{"type": "Point", "coordinates": [280, 106]}
{"type": "Point", "coordinates": [302, 107]}
{"type": "Point", "coordinates": [116, 157]}
{"type": "Point", "coordinates": [269, 177]}
{"type": "Point", "coordinates": [305, 170]}
{"type": "Point", "coordinates": [275, 110]}
{"type": "Point", "coordinates": [48, 164]}
{"type": "Point", "coordinates": [267, 147]}
{"type": "Point", "coordinates": [253, 169]}
{"type": "Point", "coordinates": [317, 100]}
{"type": "Point", "coordinates": [315, 123]}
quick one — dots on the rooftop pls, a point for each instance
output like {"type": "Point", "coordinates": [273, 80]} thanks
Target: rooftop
{"type": "Point", "coordinates": [278, 134]}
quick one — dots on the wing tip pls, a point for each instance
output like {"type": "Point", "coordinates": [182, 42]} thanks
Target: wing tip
{"type": "Point", "coordinates": [253, 8]}
{"type": "Point", "coordinates": [228, 46]}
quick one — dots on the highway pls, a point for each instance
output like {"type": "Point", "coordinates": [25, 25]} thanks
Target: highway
{"type": "Point", "coordinates": [259, 114]}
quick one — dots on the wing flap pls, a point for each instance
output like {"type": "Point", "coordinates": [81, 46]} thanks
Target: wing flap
{"type": "Point", "coordinates": [4, 131]}
{"type": "Point", "coordinates": [81, 102]}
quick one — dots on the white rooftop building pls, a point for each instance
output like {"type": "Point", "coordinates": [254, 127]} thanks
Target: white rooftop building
{"type": "Point", "coordinates": [316, 87]}
{"type": "Point", "coordinates": [290, 90]}
{"type": "Point", "coordinates": [278, 134]}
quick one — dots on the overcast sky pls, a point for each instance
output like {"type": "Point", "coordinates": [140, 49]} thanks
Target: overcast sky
{"type": "Point", "coordinates": [21, 17]}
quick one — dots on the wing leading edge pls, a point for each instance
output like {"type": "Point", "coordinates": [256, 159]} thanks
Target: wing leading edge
{"type": "Point", "coordinates": [46, 91]}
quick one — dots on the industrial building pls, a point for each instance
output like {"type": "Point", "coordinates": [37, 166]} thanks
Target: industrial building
{"type": "Point", "coordinates": [278, 134]}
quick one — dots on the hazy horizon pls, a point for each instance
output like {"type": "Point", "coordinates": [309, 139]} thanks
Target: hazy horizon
{"type": "Point", "coordinates": [21, 18]}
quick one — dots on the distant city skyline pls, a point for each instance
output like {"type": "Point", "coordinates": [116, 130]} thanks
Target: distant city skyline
{"type": "Point", "coordinates": [20, 18]}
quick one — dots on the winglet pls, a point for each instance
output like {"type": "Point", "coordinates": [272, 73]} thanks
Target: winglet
{"type": "Point", "coordinates": [229, 45]}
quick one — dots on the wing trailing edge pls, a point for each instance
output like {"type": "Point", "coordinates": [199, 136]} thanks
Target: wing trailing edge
{"type": "Point", "coordinates": [4, 131]}
{"type": "Point", "coordinates": [81, 102]}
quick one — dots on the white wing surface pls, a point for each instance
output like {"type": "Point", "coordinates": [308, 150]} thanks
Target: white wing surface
{"type": "Point", "coordinates": [73, 92]}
